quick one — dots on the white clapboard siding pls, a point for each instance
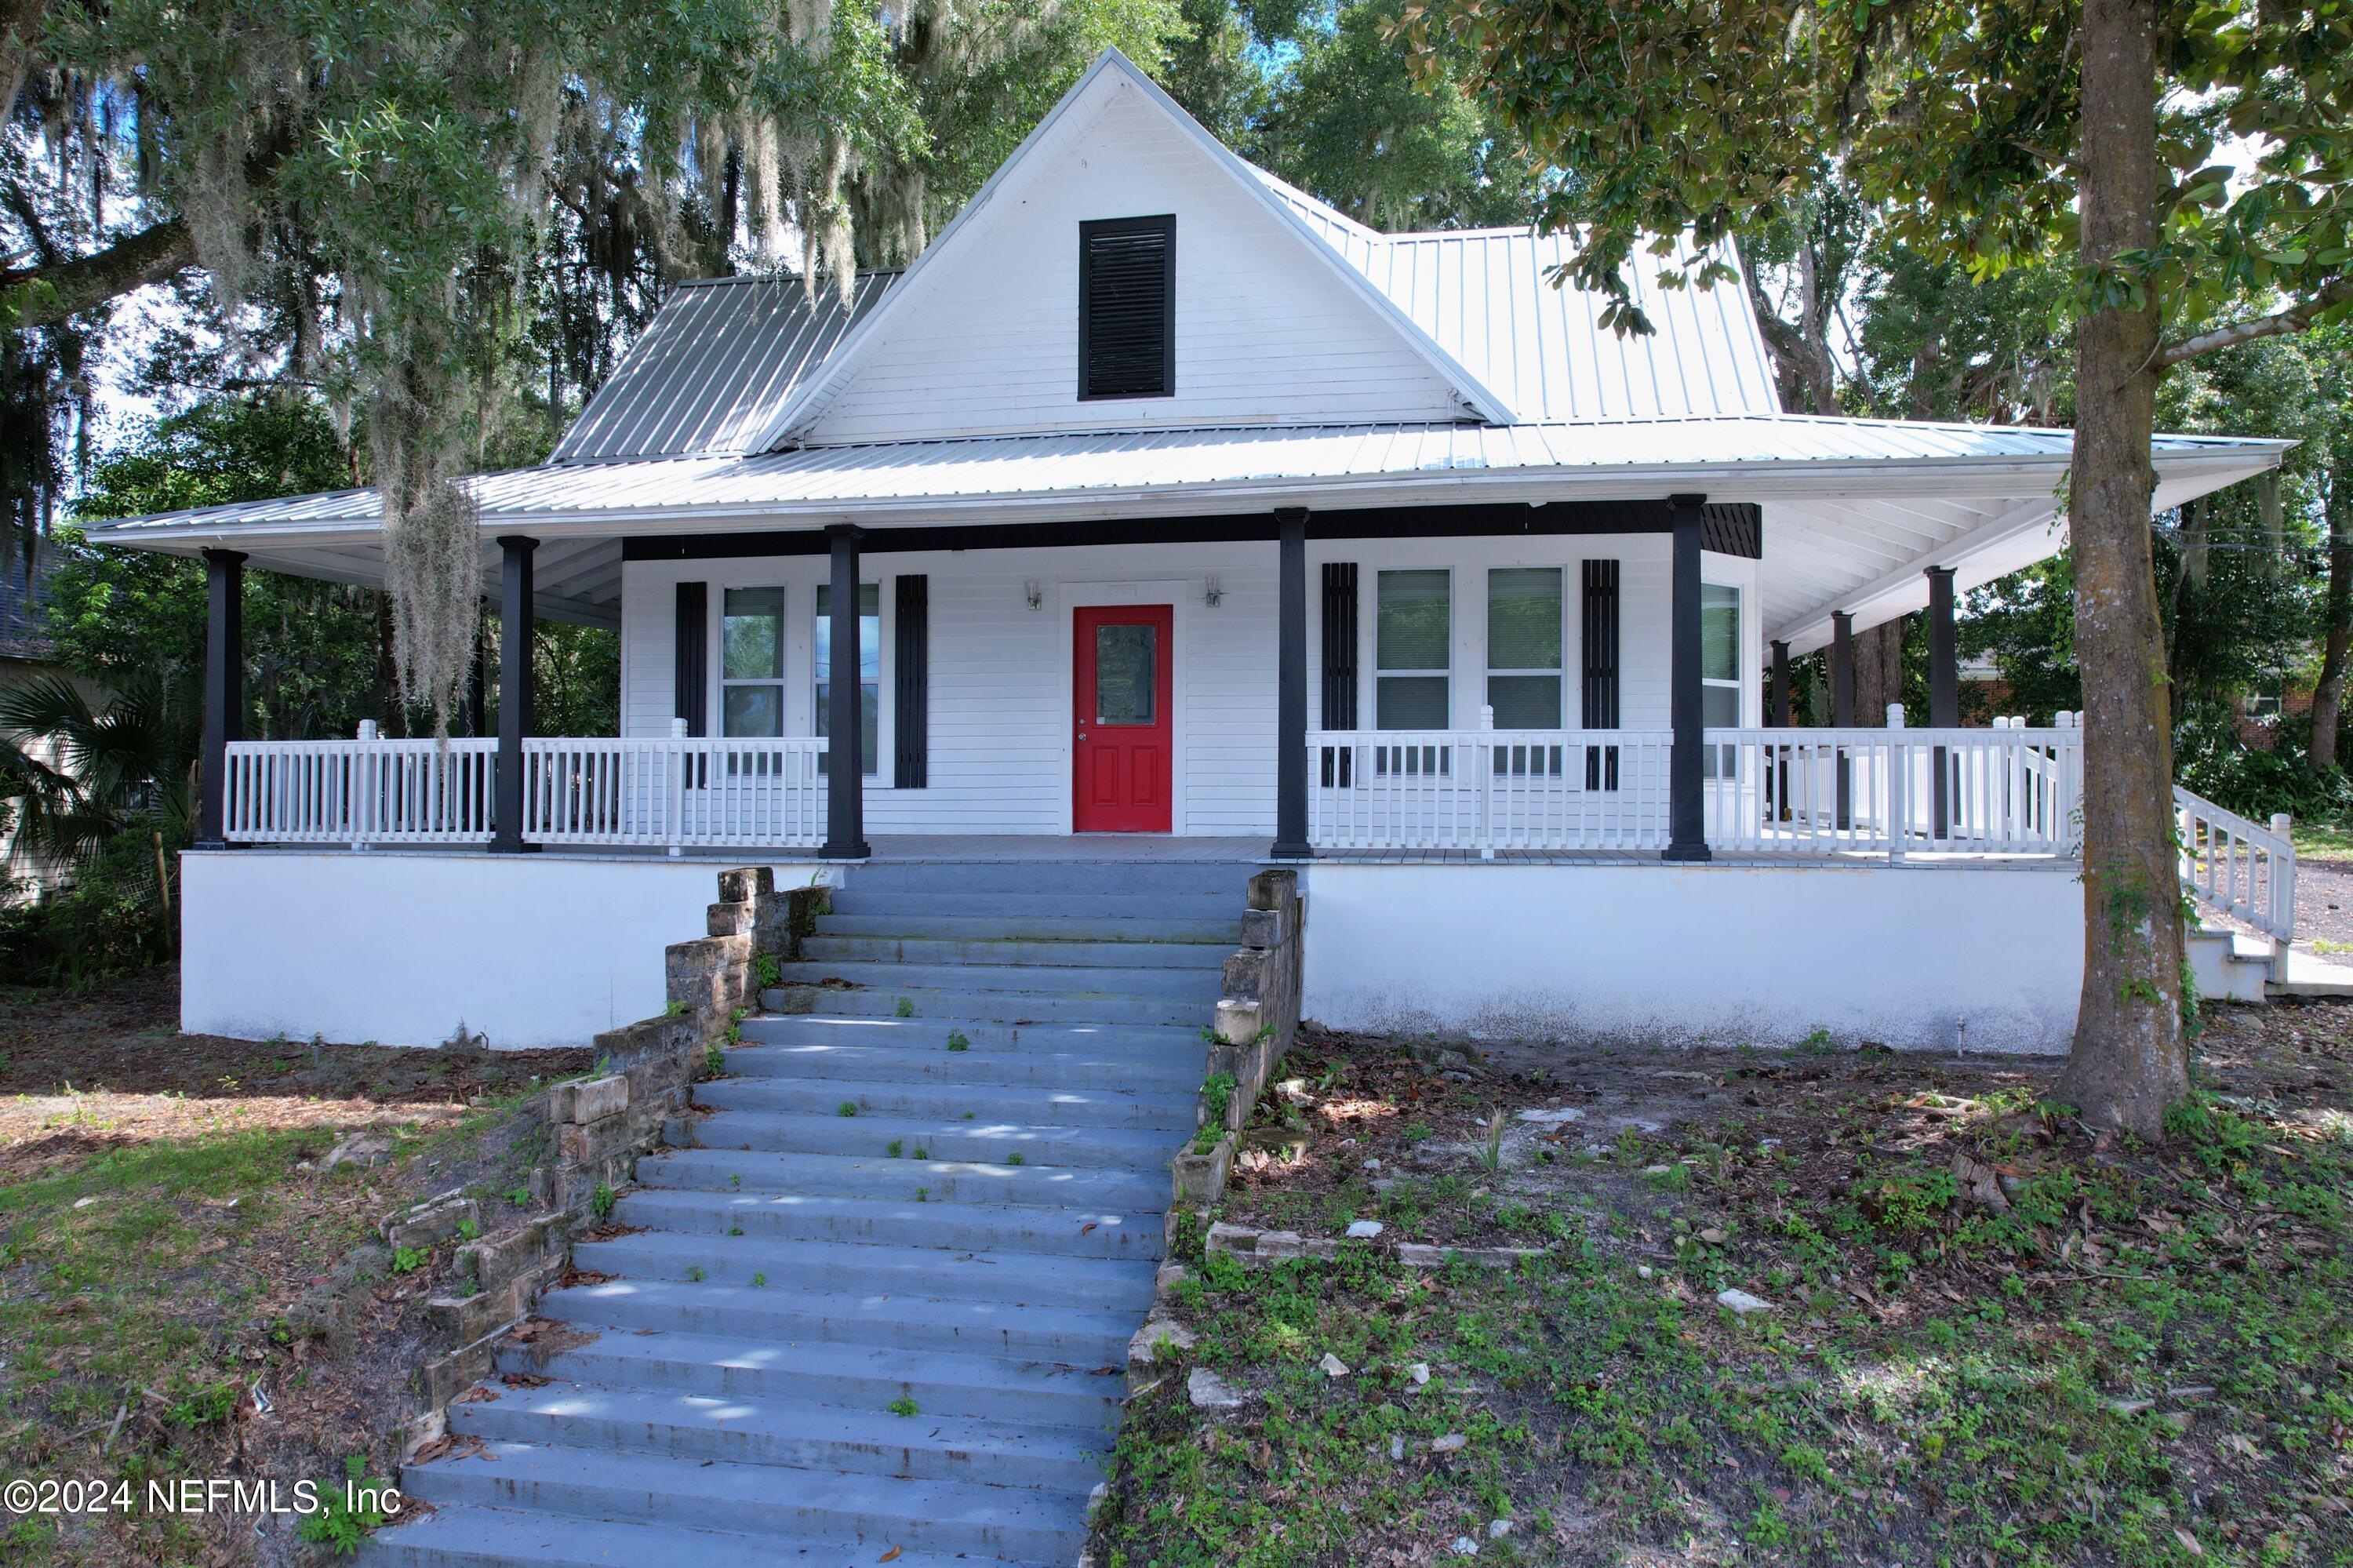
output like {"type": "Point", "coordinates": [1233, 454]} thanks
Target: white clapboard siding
{"type": "Point", "coordinates": [1000, 672]}
{"type": "Point", "coordinates": [993, 344]}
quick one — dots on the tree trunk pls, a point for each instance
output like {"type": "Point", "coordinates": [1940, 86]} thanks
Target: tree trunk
{"type": "Point", "coordinates": [1878, 670]}
{"type": "Point", "coordinates": [2129, 1062]}
{"type": "Point", "coordinates": [2328, 697]}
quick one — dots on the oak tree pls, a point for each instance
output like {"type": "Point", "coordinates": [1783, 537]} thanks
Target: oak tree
{"type": "Point", "coordinates": [2192, 160]}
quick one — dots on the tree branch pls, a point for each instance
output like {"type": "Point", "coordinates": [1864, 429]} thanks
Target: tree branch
{"type": "Point", "coordinates": [2284, 324]}
{"type": "Point", "coordinates": [46, 295]}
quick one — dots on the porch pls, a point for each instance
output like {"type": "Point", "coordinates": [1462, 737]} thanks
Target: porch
{"type": "Point", "coordinates": [1775, 796]}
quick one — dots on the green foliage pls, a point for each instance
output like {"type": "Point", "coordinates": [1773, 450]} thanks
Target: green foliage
{"type": "Point", "coordinates": [410, 1259]}
{"type": "Point", "coordinates": [1345, 120]}
{"type": "Point", "coordinates": [767, 970]}
{"type": "Point", "coordinates": [1908, 1201]}
{"type": "Point", "coordinates": [906, 1008]}
{"type": "Point", "coordinates": [351, 1511]}
{"type": "Point", "coordinates": [714, 1061]}
{"type": "Point", "coordinates": [846, 1107]}
{"type": "Point", "coordinates": [600, 1202]}
{"type": "Point", "coordinates": [208, 1404]}
{"type": "Point", "coordinates": [959, 1041]}
{"type": "Point", "coordinates": [902, 1406]}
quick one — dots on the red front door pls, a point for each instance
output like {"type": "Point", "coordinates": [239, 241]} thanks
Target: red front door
{"type": "Point", "coordinates": [1120, 708]}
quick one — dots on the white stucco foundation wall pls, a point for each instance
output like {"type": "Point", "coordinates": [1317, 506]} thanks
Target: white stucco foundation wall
{"type": "Point", "coordinates": [1922, 957]}
{"type": "Point", "coordinates": [400, 949]}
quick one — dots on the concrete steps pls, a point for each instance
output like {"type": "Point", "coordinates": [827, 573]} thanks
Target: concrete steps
{"type": "Point", "coordinates": [697, 1427]}
{"type": "Point", "coordinates": [1070, 1232]}
{"type": "Point", "coordinates": [949, 1181]}
{"type": "Point", "coordinates": [1074, 981]}
{"type": "Point", "coordinates": [481, 1537]}
{"type": "Point", "coordinates": [1008, 954]}
{"type": "Point", "coordinates": [1084, 1335]}
{"type": "Point", "coordinates": [817, 1338]}
{"type": "Point", "coordinates": [791, 1507]}
{"type": "Point", "coordinates": [990, 1005]}
{"type": "Point", "coordinates": [1220, 927]}
{"type": "Point", "coordinates": [1175, 1069]}
{"type": "Point", "coordinates": [952, 1100]}
{"type": "Point", "coordinates": [860, 1378]}
{"type": "Point", "coordinates": [922, 1137]}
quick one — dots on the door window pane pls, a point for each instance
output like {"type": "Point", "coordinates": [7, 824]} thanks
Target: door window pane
{"type": "Point", "coordinates": [1413, 630]}
{"type": "Point", "coordinates": [1126, 674]}
{"type": "Point", "coordinates": [1524, 647]}
{"type": "Point", "coordinates": [752, 661]}
{"type": "Point", "coordinates": [870, 671]}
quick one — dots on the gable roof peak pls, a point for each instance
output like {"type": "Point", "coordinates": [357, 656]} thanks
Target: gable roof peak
{"type": "Point", "coordinates": [1112, 71]}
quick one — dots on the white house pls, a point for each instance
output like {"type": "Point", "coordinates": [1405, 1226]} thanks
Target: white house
{"type": "Point", "coordinates": [1174, 504]}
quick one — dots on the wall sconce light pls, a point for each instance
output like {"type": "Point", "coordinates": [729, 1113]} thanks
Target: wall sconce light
{"type": "Point", "coordinates": [1036, 596]}
{"type": "Point", "coordinates": [1213, 593]}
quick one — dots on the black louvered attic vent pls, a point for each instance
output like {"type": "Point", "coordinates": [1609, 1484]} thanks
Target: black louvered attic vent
{"type": "Point", "coordinates": [1127, 307]}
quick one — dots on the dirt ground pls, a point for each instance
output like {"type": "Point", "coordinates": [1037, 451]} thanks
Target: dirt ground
{"type": "Point", "coordinates": [1829, 1307]}
{"type": "Point", "coordinates": [164, 1209]}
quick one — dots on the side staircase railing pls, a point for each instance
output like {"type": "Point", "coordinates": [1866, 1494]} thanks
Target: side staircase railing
{"type": "Point", "coordinates": [2241, 868]}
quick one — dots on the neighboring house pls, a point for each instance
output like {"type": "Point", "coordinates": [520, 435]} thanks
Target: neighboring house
{"type": "Point", "coordinates": [1171, 502]}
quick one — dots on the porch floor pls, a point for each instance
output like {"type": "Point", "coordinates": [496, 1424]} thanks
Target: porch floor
{"type": "Point", "coordinates": [1164, 848]}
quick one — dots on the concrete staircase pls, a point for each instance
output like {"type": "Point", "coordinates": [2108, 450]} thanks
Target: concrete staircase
{"type": "Point", "coordinates": [935, 1182]}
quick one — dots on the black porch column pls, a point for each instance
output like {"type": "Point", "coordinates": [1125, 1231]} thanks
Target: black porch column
{"type": "Point", "coordinates": [515, 601]}
{"type": "Point", "coordinates": [845, 775]}
{"type": "Point", "coordinates": [1944, 684]}
{"type": "Point", "coordinates": [1842, 704]}
{"type": "Point", "coordinates": [223, 716]}
{"type": "Point", "coordinates": [1291, 688]}
{"type": "Point", "coordinates": [1686, 786]}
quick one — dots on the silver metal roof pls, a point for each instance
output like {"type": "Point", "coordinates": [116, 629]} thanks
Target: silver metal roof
{"type": "Point", "coordinates": [1487, 297]}
{"type": "Point", "coordinates": [716, 360]}
{"type": "Point", "coordinates": [1188, 469]}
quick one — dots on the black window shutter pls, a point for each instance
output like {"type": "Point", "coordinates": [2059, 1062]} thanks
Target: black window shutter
{"type": "Point", "coordinates": [1599, 623]}
{"type": "Point", "coordinates": [1339, 710]}
{"type": "Point", "coordinates": [1127, 307]}
{"type": "Point", "coordinates": [693, 661]}
{"type": "Point", "coordinates": [1336, 766]}
{"type": "Point", "coordinates": [911, 763]}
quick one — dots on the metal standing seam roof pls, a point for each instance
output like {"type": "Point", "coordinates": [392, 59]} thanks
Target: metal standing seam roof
{"type": "Point", "coordinates": [718, 358]}
{"type": "Point", "coordinates": [1486, 296]}
{"type": "Point", "coordinates": [1174, 462]}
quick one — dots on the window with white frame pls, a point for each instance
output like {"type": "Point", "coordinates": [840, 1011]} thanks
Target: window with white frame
{"type": "Point", "coordinates": [1719, 656]}
{"type": "Point", "coordinates": [1413, 630]}
{"type": "Point", "coordinates": [870, 670]}
{"type": "Point", "coordinates": [1524, 608]}
{"type": "Point", "coordinates": [1719, 662]}
{"type": "Point", "coordinates": [752, 661]}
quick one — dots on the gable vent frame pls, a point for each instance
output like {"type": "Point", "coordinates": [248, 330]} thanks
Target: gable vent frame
{"type": "Point", "coordinates": [1122, 262]}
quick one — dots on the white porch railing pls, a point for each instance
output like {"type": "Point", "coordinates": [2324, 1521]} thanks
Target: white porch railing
{"type": "Point", "coordinates": [360, 792]}
{"type": "Point", "coordinates": [676, 793]}
{"type": "Point", "coordinates": [2246, 870]}
{"type": "Point", "coordinates": [1487, 790]}
{"type": "Point", "coordinates": [2006, 790]}
{"type": "Point", "coordinates": [671, 794]}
